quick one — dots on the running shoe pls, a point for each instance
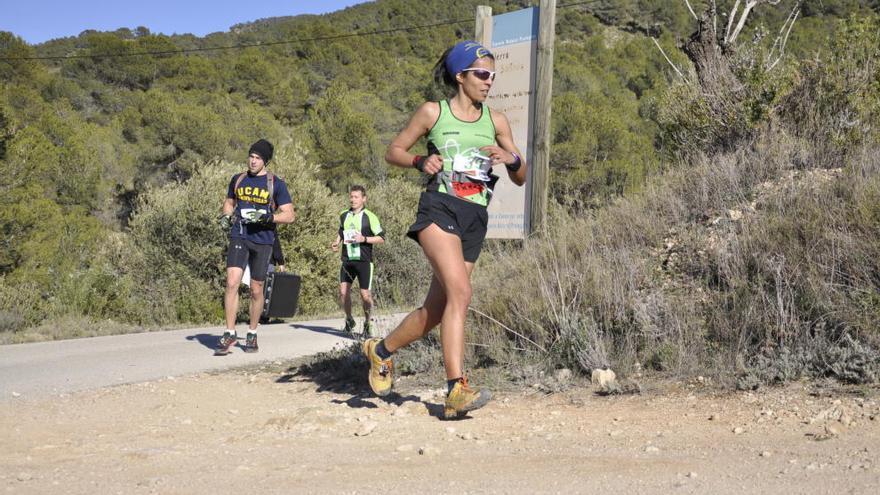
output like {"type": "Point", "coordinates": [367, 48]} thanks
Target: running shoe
{"type": "Point", "coordinates": [250, 344]}
{"type": "Point", "coordinates": [349, 325]}
{"type": "Point", "coordinates": [225, 345]}
{"type": "Point", "coordinates": [381, 371]}
{"type": "Point", "coordinates": [462, 398]}
{"type": "Point", "coordinates": [368, 329]}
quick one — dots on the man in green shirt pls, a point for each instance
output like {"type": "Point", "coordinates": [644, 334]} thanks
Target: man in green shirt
{"type": "Point", "coordinates": [359, 230]}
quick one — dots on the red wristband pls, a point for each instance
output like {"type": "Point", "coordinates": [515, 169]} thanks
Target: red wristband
{"type": "Point", "coordinates": [418, 162]}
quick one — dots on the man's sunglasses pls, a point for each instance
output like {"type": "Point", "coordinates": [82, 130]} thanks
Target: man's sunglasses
{"type": "Point", "coordinates": [482, 74]}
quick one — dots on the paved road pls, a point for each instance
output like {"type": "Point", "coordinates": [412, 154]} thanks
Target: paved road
{"type": "Point", "coordinates": [48, 368]}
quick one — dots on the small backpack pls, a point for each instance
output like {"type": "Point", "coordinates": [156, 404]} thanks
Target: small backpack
{"type": "Point", "coordinates": [270, 184]}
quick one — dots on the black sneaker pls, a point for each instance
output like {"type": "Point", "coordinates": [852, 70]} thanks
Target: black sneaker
{"type": "Point", "coordinates": [349, 325]}
{"type": "Point", "coordinates": [250, 344]}
{"type": "Point", "coordinates": [226, 342]}
{"type": "Point", "coordinates": [368, 330]}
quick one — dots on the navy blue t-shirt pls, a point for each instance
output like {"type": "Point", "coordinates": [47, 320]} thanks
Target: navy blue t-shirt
{"type": "Point", "coordinates": [253, 200]}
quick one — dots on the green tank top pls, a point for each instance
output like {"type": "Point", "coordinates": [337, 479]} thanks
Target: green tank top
{"type": "Point", "coordinates": [466, 169]}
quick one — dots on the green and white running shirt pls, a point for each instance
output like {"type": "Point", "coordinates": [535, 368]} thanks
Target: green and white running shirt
{"type": "Point", "coordinates": [351, 223]}
{"type": "Point", "coordinates": [459, 143]}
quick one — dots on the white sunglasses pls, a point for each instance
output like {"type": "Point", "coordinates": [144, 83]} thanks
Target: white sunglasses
{"type": "Point", "coordinates": [482, 74]}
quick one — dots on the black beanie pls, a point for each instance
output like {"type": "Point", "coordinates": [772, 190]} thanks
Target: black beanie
{"type": "Point", "coordinates": [263, 148]}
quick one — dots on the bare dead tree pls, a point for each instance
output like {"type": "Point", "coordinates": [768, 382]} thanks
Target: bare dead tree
{"type": "Point", "coordinates": [715, 56]}
{"type": "Point", "coordinates": [691, 9]}
{"type": "Point", "coordinates": [730, 37]}
{"type": "Point", "coordinates": [782, 38]}
{"type": "Point", "coordinates": [711, 54]}
{"type": "Point", "coordinates": [668, 60]}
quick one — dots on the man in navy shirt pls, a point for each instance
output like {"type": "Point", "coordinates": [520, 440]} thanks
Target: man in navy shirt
{"type": "Point", "coordinates": [256, 201]}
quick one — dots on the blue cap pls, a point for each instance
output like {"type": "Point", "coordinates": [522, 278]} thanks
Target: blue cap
{"type": "Point", "coordinates": [463, 54]}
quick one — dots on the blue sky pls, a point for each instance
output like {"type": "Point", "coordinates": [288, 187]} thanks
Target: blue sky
{"type": "Point", "coordinates": [37, 21]}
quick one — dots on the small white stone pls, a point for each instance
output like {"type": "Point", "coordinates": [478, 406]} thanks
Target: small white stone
{"type": "Point", "coordinates": [366, 429]}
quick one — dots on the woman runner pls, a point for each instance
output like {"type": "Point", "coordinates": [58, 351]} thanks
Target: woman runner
{"type": "Point", "coordinates": [465, 141]}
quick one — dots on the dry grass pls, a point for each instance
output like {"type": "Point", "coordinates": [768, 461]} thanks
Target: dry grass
{"type": "Point", "coordinates": [712, 269]}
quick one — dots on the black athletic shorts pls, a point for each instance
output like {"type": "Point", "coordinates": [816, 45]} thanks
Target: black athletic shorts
{"type": "Point", "coordinates": [360, 270]}
{"type": "Point", "coordinates": [457, 216]}
{"type": "Point", "coordinates": [243, 252]}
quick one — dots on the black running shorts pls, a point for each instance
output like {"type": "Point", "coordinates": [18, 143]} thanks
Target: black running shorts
{"type": "Point", "coordinates": [243, 252]}
{"type": "Point", "coordinates": [360, 270]}
{"type": "Point", "coordinates": [457, 216]}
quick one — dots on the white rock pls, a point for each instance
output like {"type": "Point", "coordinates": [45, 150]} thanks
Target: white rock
{"type": "Point", "coordinates": [604, 380]}
{"type": "Point", "coordinates": [366, 429]}
{"type": "Point", "coordinates": [766, 453]}
{"type": "Point", "coordinates": [652, 448]}
{"type": "Point", "coordinates": [405, 448]}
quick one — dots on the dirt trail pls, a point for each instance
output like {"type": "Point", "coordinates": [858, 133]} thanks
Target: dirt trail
{"type": "Point", "coordinates": [254, 431]}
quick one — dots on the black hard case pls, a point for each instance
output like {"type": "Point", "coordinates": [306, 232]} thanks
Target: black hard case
{"type": "Point", "coordinates": [282, 295]}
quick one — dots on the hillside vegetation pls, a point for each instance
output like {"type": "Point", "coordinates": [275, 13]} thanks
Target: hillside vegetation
{"type": "Point", "coordinates": [732, 230]}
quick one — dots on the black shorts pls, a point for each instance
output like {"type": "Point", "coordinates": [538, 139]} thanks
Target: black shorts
{"type": "Point", "coordinates": [242, 253]}
{"type": "Point", "coordinates": [360, 270]}
{"type": "Point", "coordinates": [457, 216]}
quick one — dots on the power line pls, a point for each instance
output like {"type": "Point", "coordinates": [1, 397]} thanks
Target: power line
{"type": "Point", "coordinates": [242, 45]}
{"type": "Point", "coordinates": [269, 43]}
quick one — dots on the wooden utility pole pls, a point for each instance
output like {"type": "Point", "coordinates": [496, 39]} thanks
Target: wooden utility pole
{"type": "Point", "coordinates": [483, 28]}
{"type": "Point", "coordinates": [543, 92]}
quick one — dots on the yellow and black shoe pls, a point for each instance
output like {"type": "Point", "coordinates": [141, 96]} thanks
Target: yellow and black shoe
{"type": "Point", "coordinates": [381, 371]}
{"type": "Point", "coordinates": [462, 398]}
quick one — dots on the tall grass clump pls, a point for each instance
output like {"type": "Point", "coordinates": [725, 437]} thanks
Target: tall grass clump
{"type": "Point", "coordinates": [713, 269]}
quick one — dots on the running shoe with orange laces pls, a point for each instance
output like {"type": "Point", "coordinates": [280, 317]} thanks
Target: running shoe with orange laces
{"type": "Point", "coordinates": [381, 370]}
{"type": "Point", "coordinates": [462, 398]}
